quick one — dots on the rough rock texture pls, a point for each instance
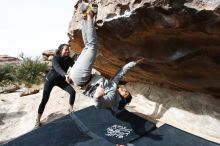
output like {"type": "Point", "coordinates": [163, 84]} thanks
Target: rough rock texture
{"type": "Point", "coordinates": [196, 113]}
{"type": "Point", "coordinates": [179, 39]}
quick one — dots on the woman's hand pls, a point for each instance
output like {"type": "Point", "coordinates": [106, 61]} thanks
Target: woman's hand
{"type": "Point", "coordinates": [140, 61]}
{"type": "Point", "coordinates": [68, 79]}
{"type": "Point", "coordinates": [99, 92]}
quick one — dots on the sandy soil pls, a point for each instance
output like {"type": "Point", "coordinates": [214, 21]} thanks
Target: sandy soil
{"type": "Point", "coordinates": [192, 112]}
{"type": "Point", "coordinates": [18, 114]}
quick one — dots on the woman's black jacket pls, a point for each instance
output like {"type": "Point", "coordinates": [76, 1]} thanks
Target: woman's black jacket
{"type": "Point", "coordinates": [60, 65]}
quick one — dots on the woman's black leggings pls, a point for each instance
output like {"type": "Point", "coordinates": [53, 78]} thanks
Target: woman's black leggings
{"type": "Point", "coordinates": [48, 85]}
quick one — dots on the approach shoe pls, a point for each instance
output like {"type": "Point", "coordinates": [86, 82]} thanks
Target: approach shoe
{"type": "Point", "coordinates": [37, 125]}
{"type": "Point", "coordinates": [70, 111]}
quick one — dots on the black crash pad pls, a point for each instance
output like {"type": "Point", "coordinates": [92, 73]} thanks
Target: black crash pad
{"type": "Point", "coordinates": [101, 127]}
{"type": "Point", "coordinates": [169, 136]}
{"type": "Point", "coordinates": [62, 132]}
{"type": "Point", "coordinates": [87, 127]}
{"type": "Point", "coordinates": [119, 128]}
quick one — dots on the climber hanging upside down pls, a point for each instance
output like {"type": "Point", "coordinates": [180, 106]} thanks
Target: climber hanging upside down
{"type": "Point", "coordinates": [105, 92]}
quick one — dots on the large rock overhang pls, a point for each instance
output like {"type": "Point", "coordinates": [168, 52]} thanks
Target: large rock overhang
{"type": "Point", "coordinates": [180, 41]}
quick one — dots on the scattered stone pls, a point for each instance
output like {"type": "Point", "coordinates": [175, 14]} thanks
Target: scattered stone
{"type": "Point", "coordinates": [29, 92]}
{"type": "Point", "coordinates": [9, 88]}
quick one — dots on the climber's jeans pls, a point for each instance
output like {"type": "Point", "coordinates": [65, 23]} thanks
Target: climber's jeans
{"type": "Point", "coordinates": [81, 70]}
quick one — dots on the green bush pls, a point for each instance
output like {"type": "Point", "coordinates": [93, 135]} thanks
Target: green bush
{"type": "Point", "coordinates": [7, 75]}
{"type": "Point", "coordinates": [30, 72]}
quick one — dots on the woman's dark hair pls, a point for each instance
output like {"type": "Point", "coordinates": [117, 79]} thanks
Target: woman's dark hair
{"type": "Point", "coordinates": [59, 49]}
{"type": "Point", "coordinates": [124, 101]}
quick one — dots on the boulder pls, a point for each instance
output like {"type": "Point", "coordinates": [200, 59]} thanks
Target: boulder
{"type": "Point", "coordinates": [195, 113]}
{"type": "Point", "coordinates": [48, 55]}
{"type": "Point", "coordinates": [29, 92]}
{"type": "Point", "coordinates": [9, 88]}
{"type": "Point", "coordinates": [179, 39]}
{"type": "Point", "coordinates": [5, 59]}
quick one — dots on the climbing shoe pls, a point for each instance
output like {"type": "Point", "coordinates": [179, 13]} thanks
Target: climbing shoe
{"type": "Point", "coordinates": [88, 6]}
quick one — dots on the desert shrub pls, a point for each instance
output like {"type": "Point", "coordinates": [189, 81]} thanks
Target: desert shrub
{"type": "Point", "coordinates": [31, 71]}
{"type": "Point", "coordinates": [7, 74]}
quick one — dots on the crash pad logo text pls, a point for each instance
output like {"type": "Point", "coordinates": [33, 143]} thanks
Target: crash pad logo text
{"type": "Point", "coordinates": [118, 131]}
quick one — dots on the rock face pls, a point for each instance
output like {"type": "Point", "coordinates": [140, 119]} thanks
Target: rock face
{"type": "Point", "coordinates": [180, 40]}
{"type": "Point", "coordinates": [196, 113]}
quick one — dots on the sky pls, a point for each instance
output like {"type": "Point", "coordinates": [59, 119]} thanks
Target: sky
{"type": "Point", "coordinates": [33, 26]}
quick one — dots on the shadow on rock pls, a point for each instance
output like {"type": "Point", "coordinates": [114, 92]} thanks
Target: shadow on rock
{"type": "Point", "coordinates": [162, 100]}
{"type": "Point", "coordinates": [11, 115]}
{"type": "Point", "coordinates": [53, 117]}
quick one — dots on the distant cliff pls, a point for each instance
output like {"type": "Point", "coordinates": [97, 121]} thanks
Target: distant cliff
{"type": "Point", "coordinates": [5, 59]}
{"type": "Point", "coordinates": [180, 40]}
